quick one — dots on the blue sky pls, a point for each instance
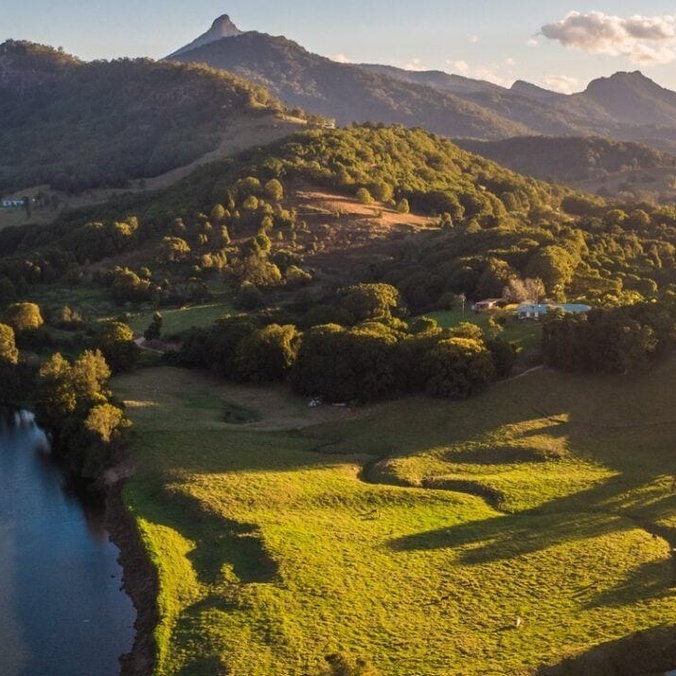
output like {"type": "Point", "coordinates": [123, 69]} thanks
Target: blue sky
{"type": "Point", "coordinates": [499, 40]}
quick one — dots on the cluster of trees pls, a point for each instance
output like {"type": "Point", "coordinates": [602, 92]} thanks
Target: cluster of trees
{"type": "Point", "coordinates": [73, 402]}
{"type": "Point", "coordinates": [69, 395]}
{"type": "Point", "coordinates": [374, 356]}
{"type": "Point", "coordinates": [230, 222]}
{"type": "Point", "coordinates": [233, 242]}
{"type": "Point", "coordinates": [610, 340]}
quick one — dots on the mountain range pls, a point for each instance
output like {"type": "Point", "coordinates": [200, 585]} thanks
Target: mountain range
{"type": "Point", "coordinates": [77, 125]}
{"type": "Point", "coordinates": [627, 106]}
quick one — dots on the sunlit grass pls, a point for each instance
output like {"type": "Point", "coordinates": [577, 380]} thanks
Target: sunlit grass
{"type": "Point", "coordinates": [177, 320]}
{"type": "Point", "coordinates": [525, 334]}
{"type": "Point", "coordinates": [537, 501]}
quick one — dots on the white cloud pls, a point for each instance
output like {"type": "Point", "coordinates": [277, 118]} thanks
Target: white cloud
{"type": "Point", "coordinates": [341, 58]}
{"type": "Point", "coordinates": [641, 39]}
{"type": "Point", "coordinates": [461, 67]}
{"type": "Point", "coordinates": [561, 83]}
{"type": "Point", "coordinates": [493, 75]}
{"type": "Point", "coordinates": [497, 73]}
{"type": "Point", "coordinates": [533, 42]}
{"type": "Point", "coordinates": [474, 39]}
{"type": "Point", "coordinates": [414, 64]}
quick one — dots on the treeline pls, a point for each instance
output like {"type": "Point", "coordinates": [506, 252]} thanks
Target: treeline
{"type": "Point", "coordinates": [377, 356]}
{"type": "Point", "coordinates": [610, 340]}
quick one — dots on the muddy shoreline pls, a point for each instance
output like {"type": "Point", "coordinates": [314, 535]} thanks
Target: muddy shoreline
{"type": "Point", "coordinates": [139, 581]}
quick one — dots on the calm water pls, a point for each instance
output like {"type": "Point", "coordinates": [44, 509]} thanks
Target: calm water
{"type": "Point", "coordinates": [61, 609]}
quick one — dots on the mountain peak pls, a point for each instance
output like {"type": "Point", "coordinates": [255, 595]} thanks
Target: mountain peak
{"type": "Point", "coordinates": [624, 79]}
{"type": "Point", "coordinates": [222, 27]}
{"type": "Point", "coordinates": [633, 98]}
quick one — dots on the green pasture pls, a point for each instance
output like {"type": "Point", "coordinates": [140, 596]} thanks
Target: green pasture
{"type": "Point", "coordinates": [175, 321]}
{"type": "Point", "coordinates": [491, 536]}
{"type": "Point", "coordinates": [90, 300]}
{"type": "Point", "coordinates": [524, 333]}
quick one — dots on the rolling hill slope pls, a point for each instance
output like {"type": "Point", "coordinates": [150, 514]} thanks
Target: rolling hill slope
{"type": "Point", "coordinates": [77, 125]}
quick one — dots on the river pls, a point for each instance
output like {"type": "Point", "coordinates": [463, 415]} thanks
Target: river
{"type": "Point", "coordinates": [62, 611]}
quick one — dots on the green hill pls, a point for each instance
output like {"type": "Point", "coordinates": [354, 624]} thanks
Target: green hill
{"type": "Point", "coordinates": [340, 207]}
{"type": "Point", "coordinates": [76, 125]}
{"type": "Point", "coordinates": [496, 535]}
{"type": "Point", "coordinates": [570, 159]}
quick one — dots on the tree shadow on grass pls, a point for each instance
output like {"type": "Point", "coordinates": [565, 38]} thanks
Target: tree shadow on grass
{"type": "Point", "coordinates": [218, 541]}
{"type": "Point", "coordinates": [652, 651]}
{"type": "Point", "coordinates": [651, 581]}
{"type": "Point", "coordinates": [509, 536]}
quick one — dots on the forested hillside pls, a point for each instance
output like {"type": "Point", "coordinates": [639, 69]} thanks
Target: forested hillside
{"type": "Point", "coordinates": [239, 221]}
{"type": "Point", "coordinates": [76, 125]}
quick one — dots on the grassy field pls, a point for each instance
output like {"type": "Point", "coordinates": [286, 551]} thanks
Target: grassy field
{"type": "Point", "coordinates": [525, 334]}
{"type": "Point", "coordinates": [417, 534]}
{"type": "Point", "coordinates": [181, 319]}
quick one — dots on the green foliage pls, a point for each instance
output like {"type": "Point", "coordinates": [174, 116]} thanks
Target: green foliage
{"type": "Point", "coordinates": [268, 354]}
{"type": "Point", "coordinates": [364, 196]}
{"type": "Point", "coordinates": [274, 190]}
{"type": "Point", "coordinates": [128, 287]}
{"type": "Point", "coordinates": [172, 250]}
{"type": "Point", "coordinates": [370, 301]}
{"type": "Point", "coordinates": [617, 340]}
{"type": "Point", "coordinates": [72, 402]}
{"type": "Point", "coordinates": [403, 206]}
{"type": "Point", "coordinates": [106, 421]}
{"type": "Point", "coordinates": [23, 317]}
{"type": "Point", "coordinates": [458, 368]}
{"type": "Point", "coordinates": [346, 365]}
{"type": "Point", "coordinates": [249, 297]}
{"type": "Point", "coordinates": [578, 246]}
{"type": "Point", "coordinates": [116, 342]}
{"type": "Point", "coordinates": [9, 354]}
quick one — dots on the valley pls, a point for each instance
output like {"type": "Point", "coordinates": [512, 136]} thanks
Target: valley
{"type": "Point", "coordinates": [272, 304]}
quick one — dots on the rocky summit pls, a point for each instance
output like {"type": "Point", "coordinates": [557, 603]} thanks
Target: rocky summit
{"type": "Point", "coordinates": [221, 28]}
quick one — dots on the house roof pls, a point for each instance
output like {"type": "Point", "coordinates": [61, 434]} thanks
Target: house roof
{"type": "Point", "coordinates": [543, 308]}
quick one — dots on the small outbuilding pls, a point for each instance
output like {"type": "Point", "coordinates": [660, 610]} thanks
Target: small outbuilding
{"type": "Point", "coordinates": [487, 304]}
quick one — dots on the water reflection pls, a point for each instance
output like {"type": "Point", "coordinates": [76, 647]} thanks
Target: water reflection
{"type": "Point", "coordinates": [61, 609]}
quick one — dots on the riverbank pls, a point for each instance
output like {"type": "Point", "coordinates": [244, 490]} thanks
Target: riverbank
{"type": "Point", "coordinates": [140, 582]}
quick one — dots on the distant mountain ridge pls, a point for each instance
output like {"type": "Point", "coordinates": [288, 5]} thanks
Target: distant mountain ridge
{"type": "Point", "coordinates": [569, 159]}
{"type": "Point", "coordinates": [627, 106]}
{"type": "Point", "coordinates": [346, 92]}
